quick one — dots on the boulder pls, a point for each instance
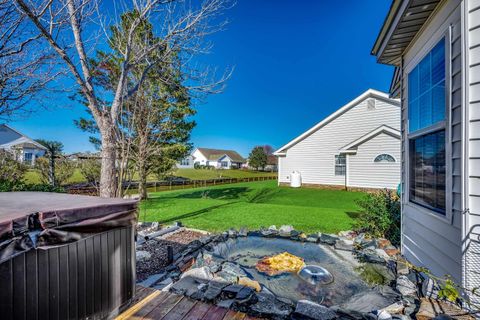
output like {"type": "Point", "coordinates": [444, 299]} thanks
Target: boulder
{"type": "Point", "coordinates": [430, 309]}
{"type": "Point", "coordinates": [328, 239]}
{"type": "Point", "coordinates": [213, 290]}
{"type": "Point", "coordinates": [286, 230]}
{"type": "Point", "coordinates": [350, 235]}
{"type": "Point", "coordinates": [344, 244]}
{"type": "Point", "coordinates": [269, 306]}
{"type": "Point", "coordinates": [142, 255]}
{"type": "Point", "coordinates": [402, 267]}
{"type": "Point", "coordinates": [231, 272]}
{"type": "Point", "coordinates": [311, 310]}
{"type": "Point", "coordinates": [199, 273]}
{"type": "Point", "coordinates": [364, 302]}
{"type": "Point", "coordinates": [249, 283]}
{"type": "Point", "coordinates": [231, 291]}
{"type": "Point", "coordinates": [187, 286]}
{"type": "Point", "coordinates": [406, 287]}
{"type": "Point", "coordinates": [383, 243]}
{"type": "Point", "coordinates": [395, 308]}
{"type": "Point", "coordinates": [243, 232]}
{"type": "Point", "coordinates": [312, 238]}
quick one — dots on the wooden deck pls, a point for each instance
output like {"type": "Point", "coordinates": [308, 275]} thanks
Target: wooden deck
{"type": "Point", "coordinates": [153, 304]}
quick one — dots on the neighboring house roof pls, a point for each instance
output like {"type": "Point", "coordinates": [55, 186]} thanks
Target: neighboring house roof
{"type": "Point", "coordinates": [352, 146]}
{"type": "Point", "coordinates": [10, 137]}
{"type": "Point", "coordinates": [370, 93]}
{"type": "Point", "coordinates": [404, 20]}
{"type": "Point", "coordinates": [215, 154]}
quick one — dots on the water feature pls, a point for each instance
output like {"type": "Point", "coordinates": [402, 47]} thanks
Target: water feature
{"type": "Point", "coordinates": [330, 276]}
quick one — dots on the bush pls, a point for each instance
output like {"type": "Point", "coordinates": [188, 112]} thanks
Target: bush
{"type": "Point", "coordinates": [91, 169]}
{"type": "Point", "coordinates": [11, 171]}
{"type": "Point", "coordinates": [6, 186]}
{"type": "Point", "coordinates": [380, 216]}
{"type": "Point", "coordinates": [64, 169]}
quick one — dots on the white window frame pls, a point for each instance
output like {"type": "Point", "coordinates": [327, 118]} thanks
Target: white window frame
{"type": "Point", "coordinates": [443, 125]}
{"type": "Point", "coordinates": [335, 165]}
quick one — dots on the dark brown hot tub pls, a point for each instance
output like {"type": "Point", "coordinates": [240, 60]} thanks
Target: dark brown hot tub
{"type": "Point", "coordinates": [65, 256]}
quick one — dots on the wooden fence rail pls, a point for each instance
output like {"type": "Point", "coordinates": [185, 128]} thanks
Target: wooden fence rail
{"type": "Point", "coordinates": [156, 186]}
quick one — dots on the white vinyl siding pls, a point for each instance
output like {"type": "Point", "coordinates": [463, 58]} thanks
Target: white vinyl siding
{"type": "Point", "coordinates": [472, 227]}
{"type": "Point", "coordinates": [428, 239]}
{"type": "Point", "coordinates": [364, 172]}
{"type": "Point", "coordinates": [314, 156]}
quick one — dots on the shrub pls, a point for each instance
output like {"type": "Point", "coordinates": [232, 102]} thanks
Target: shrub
{"type": "Point", "coordinates": [6, 186]}
{"type": "Point", "coordinates": [11, 171]}
{"type": "Point", "coordinates": [91, 169]}
{"type": "Point", "coordinates": [64, 169]}
{"type": "Point", "coordinates": [380, 215]}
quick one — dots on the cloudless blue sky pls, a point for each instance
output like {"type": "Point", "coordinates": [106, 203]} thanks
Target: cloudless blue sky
{"type": "Point", "coordinates": [295, 63]}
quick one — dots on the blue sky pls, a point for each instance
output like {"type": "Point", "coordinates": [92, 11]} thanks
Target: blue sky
{"type": "Point", "coordinates": [295, 63]}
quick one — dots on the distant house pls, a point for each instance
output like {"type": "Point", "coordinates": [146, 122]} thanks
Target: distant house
{"type": "Point", "coordinates": [186, 163]}
{"type": "Point", "coordinates": [272, 164]}
{"type": "Point", "coordinates": [357, 146]}
{"type": "Point", "coordinates": [435, 49]}
{"type": "Point", "coordinates": [78, 156]}
{"type": "Point", "coordinates": [25, 149]}
{"type": "Point", "coordinates": [218, 158]}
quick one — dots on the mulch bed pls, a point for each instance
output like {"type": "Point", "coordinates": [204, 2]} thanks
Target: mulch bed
{"type": "Point", "coordinates": [158, 250]}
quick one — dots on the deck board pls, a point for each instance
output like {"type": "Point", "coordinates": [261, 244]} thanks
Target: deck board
{"type": "Point", "coordinates": [151, 304]}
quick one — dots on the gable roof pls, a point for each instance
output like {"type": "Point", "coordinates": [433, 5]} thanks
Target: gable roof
{"type": "Point", "coordinates": [8, 140]}
{"type": "Point", "coordinates": [370, 93]}
{"type": "Point", "coordinates": [352, 146]}
{"type": "Point", "coordinates": [215, 154]}
{"type": "Point", "coordinates": [402, 23]}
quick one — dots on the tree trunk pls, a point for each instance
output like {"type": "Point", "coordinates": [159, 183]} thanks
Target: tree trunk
{"type": "Point", "coordinates": [53, 181]}
{"type": "Point", "coordinates": [108, 175]}
{"type": "Point", "coordinates": [142, 184]}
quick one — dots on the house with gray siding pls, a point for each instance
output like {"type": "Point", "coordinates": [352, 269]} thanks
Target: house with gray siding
{"type": "Point", "coordinates": [435, 48]}
{"type": "Point", "coordinates": [358, 146]}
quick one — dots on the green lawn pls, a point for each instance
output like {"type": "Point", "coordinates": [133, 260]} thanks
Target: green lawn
{"type": "Point", "coordinates": [33, 176]}
{"type": "Point", "coordinates": [201, 174]}
{"type": "Point", "coordinates": [253, 205]}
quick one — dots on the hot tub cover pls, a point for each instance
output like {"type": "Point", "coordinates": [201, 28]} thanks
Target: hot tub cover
{"type": "Point", "coordinates": [41, 219]}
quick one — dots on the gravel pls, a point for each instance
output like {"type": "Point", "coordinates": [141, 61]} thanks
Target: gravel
{"type": "Point", "coordinates": [158, 249]}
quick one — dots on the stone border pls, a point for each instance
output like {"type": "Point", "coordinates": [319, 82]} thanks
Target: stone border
{"type": "Point", "coordinates": [410, 289]}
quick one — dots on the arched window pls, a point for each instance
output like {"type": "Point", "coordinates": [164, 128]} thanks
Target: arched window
{"type": "Point", "coordinates": [384, 158]}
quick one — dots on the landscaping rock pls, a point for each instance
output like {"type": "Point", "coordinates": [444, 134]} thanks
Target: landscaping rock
{"type": "Point", "coordinates": [350, 235]}
{"type": "Point", "coordinates": [328, 239]}
{"type": "Point", "coordinates": [369, 301]}
{"type": "Point", "coordinates": [187, 286]}
{"type": "Point", "coordinates": [285, 231]}
{"type": "Point", "coordinates": [402, 267]}
{"type": "Point", "coordinates": [230, 292]}
{"type": "Point", "coordinates": [249, 283]}
{"type": "Point", "coordinates": [406, 287]}
{"type": "Point", "coordinates": [143, 255]}
{"type": "Point", "coordinates": [213, 290]}
{"type": "Point", "coordinates": [395, 308]}
{"type": "Point", "coordinates": [311, 310]}
{"type": "Point", "coordinates": [225, 303]}
{"type": "Point", "coordinates": [243, 232]}
{"type": "Point", "coordinates": [430, 288]}
{"type": "Point", "coordinates": [269, 306]}
{"type": "Point", "coordinates": [430, 309]}
{"type": "Point", "coordinates": [383, 243]}
{"type": "Point", "coordinates": [199, 273]}
{"type": "Point", "coordinates": [371, 257]}
{"type": "Point", "coordinates": [344, 244]}
{"type": "Point", "coordinates": [231, 272]}
{"type": "Point", "coordinates": [232, 233]}
{"type": "Point", "coordinates": [312, 238]}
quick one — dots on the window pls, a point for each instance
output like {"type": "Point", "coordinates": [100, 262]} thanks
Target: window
{"type": "Point", "coordinates": [426, 130]}
{"type": "Point", "coordinates": [27, 157]}
{"type": "Point", "coordinates": [340, 165]}
{"type": "Point", "coordinates": [371, 104]}
{"type": "Point", "coordinates": [384, 158]}
{"type": "Point", "coordinates": [224, 164]}
{"type": "Point", "coordinates": [185, 162]}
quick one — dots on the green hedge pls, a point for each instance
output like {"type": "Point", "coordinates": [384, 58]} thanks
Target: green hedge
{"type": "Point", "coordinates": [6, 186]}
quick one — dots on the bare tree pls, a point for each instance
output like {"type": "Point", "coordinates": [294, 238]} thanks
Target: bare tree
{"type": "Point", "coordinates": [73, 28]}
{"type": "Point", "coordinates": [24, 72]}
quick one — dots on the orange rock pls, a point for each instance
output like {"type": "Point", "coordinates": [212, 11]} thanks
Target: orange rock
{"type": "Point", "coordinates": [249, 283]}
{"type": "Point", "coordinates": [392, 252]}
{"type": "Point", "coordinates": [280, 263]}
{"type": "Point", "coordinates": [383, 243]}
